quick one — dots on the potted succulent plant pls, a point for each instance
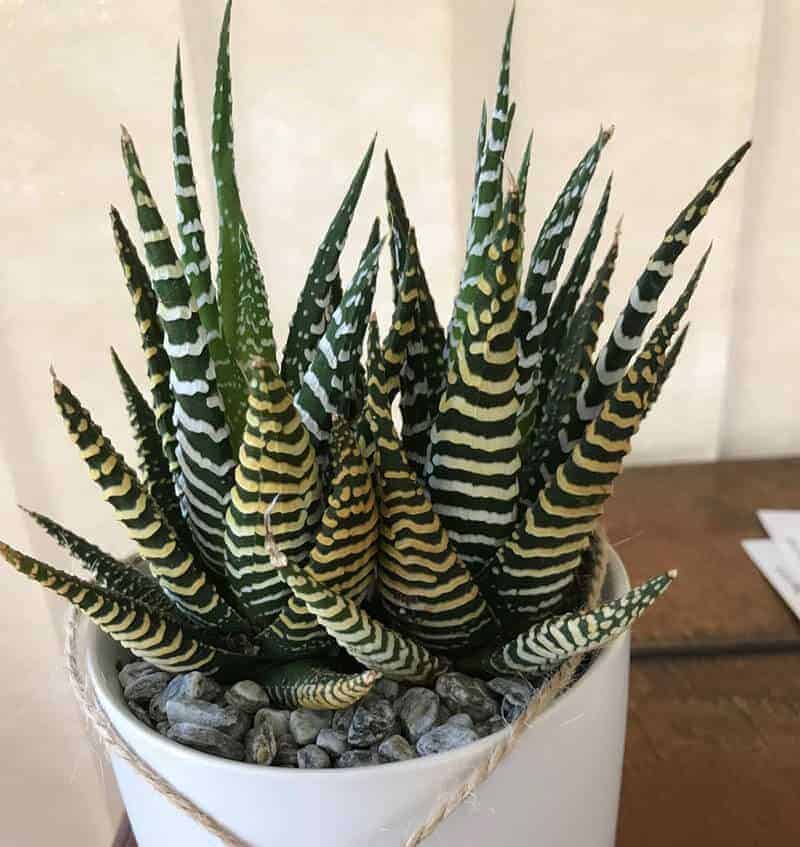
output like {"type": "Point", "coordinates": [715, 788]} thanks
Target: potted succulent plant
{"type": "Point", "coordinates": [318, 589]}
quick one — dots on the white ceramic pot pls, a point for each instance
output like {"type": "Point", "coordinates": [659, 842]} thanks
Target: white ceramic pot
{"type": "Point", "coordinates": [560, 786]}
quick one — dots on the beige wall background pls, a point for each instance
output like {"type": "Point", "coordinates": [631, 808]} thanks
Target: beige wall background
{"type": "Point", "coordinates": [684, 83]}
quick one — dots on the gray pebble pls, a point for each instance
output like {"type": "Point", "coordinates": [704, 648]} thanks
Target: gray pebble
{"type": "Point", "coordinates": [278, 719]}
{"type": "Point", "coordinates": [357, 759]}
{"type": "Point", "coordinates": [387, 688]}
{"type": "Point", "coordinates": [312, 756]}
{"type": "Point", "coordinates": [305, 725]}
{"type": "Point", "coordinates": [133, 670]}
{"type": "Point", "coordinates": [248, 696]}
{"type": "Point", "coordinates": [143, 688]}
{"type": "Point", "coordinates": [417, 709]}
{"type": "Point", "coordinates": [207, 739]}
{"type": "Point", "coordinates": [186, 686]}
{"type": "Point", "coordinates": [463, 693]}
{"type": "Point", "coordinates": [198, 686]}
{"type": "Point", "coordinates": [286, 755]}
{"type": "Point", "coordinates": [334, 741]}
{"type": "Point", "coordinates": [140, 713]}
{"type": "Point", "coordinates": [260, 745]}
{"type": "Point", "coordinates": [515, 694]}
{"type": "Point", "coordinates": [511, 686]}
{"type": "Point", "coordinates": [374, 719]}
{"type": "Point", "coordinates": [158, 704]}
{"type": "Point", "coordinates": [491, 726]}
{"type": "Point", "coordinates": [460, 720]}
{"type": "Point", "coordinates": [444, 738]}
{"type": "Point", "coordinates": [443, 714]}
{"type": "Point", "coordinates": [395, 749]}
{"type": "Point", "coordinates": [342, 719]}
{"type": "Point", "coordinates": [227, 719]}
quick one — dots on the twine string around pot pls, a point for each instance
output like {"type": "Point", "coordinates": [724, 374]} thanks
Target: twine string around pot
{"type": "Point", "coordinates": [113, 742]}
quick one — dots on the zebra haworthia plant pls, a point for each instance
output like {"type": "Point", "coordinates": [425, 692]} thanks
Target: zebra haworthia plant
{"type": "Point", "coordinates": [291, 534]}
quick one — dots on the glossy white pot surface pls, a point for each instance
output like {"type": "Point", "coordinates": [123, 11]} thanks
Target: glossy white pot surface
{"type": "Point", "coordinates": [559, 788]}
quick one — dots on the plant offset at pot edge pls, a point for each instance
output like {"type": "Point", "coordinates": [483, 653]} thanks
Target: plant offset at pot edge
{"type": "Point", "coordinates": [463, 540]}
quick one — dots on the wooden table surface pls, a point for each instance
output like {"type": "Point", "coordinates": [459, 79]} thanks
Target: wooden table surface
{"type": "Point", "coordinates": [713, 748]}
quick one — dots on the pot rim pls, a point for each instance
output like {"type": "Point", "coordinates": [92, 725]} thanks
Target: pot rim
{"type": "Point", "coordinates": [136, 734]}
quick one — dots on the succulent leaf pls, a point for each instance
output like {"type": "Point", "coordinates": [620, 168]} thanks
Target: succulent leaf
{"type": "Point", "coordinates": [522, 179]}
{"type": "Point", "coordinates": [152, 336]}
{"type": "Point", "coordinates": [573, 364]}
{"type": "Point", "coordinates": [328, 382]}
{"type": "Point", "coordinates": [488, 194]}
{"type": "Point", "coordinates": [672, 355]}
{"type": "Point", "coordinates": [566, 299]}
{"type": "Point", "coordinates": [546, 259]}
{"type": "Point", "coordinates": [108, 571]}
{"type": "Point", "coordinates": [277, 470]}
{"type": "Point", "coordinates": [204, 451]}
{"type": "Point", "coordinates": [148, 633]}
{"type": "Point", "coordinates": [306, 685]}
{"type": "Point", "coordinates": [643, 301]}
{"type": "Point", "coordinates": [424, 587]}
{"type": "Point", "coordinates": [551, 641]}
{"type": "Point", "coordinates": [536, 567]}
{"type": "Point", "coordinates": [197, 266]}
{"type": "Point", "coordinates": [346, 545]}
{"type": "Point", "coordinates": [322, 291]}
{"type": "Point", "coordinates": [179, 575]}
{"type": "Point", "coordinates": [153, 467]}
{"type": "Point", "coordinates": [238, 274]}
{"type": "Point", "coordinates": [473, 458]}
{"type": "Point", "coordinates": [367, 640]}
{"type": "Point", "coordinates": [420, 360]}
{"type": "Point", "coordinates": [552, 453]}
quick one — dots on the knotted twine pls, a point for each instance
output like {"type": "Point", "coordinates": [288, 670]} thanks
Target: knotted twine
{"type": "Point", "coordinates": [114, 743]}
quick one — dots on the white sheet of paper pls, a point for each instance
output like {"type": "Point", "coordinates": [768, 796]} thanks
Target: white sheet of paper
{"type": "Point", "coordinates": [780, 523]}
{"type": "Point", "coordinates": [779, 561]}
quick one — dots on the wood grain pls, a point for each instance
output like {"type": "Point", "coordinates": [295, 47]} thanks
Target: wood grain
{"type": "Point", "coordinates": [713, 753]}
{"type": "Point", "coordinates": [693, 518]}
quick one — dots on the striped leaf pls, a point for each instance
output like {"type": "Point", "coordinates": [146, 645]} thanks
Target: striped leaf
{"type": "Point", "coordinates": [546, 259]}
{"type": "Point", "coordinates": [473, 458]}
{"type": "Point", "coordinates": [522, 178]}
{"type": "Point", "coordinates": [421, 362]}
{"type": "Point", "coordinates": [643, 302]}
{"type": "Point", "coordinates": [153, 468]}
{"type": "Point", "coordinates": [175, 569]}
{"type": "Point", "coordinates": [424, 587]}
{"type": "Point", "coordinates": [152, 337]}
{"type": "Point", "coordinates": [306, 685]}
{"type": "Point", "coordinates": [570, 425]}
{"type": "Point", "coordinates": [238, 275]}
{"type": "Point", "coordinates": [322, 291]}
{"type": "Point", "coordinates": [346, 545]}
{"type": "Point", "coordinates": [672, 356]}
{"type": "Point", "coordinates": [108, 571]}
{"type": "Point", "coordinates": [572, 366]}
{"type": "Point", "coordinates": [423, 375]}
{"type": "Point", "coordinates": [547, 643]}
{"type": "Point", "coordinates": [149, 634]}
{"type": "Point", "coordinates": [328, 382]}
{"type": "Point", "coordinates": [566, 300]}
{"type": "Point", "coordinates": [277, 470]}
{"type": "Point", "coordinates": [204, 451]}
{"type": "Point", "coordinates": [253, 324]}
{"type": "Point", "coordinates": [535, 569]}
{"type": "Point", "coordinates": [487, 196]}
{"type": "Point", "coordinates": [366, 639]}
{"type": "Point", "coordinates": [197, 266]}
